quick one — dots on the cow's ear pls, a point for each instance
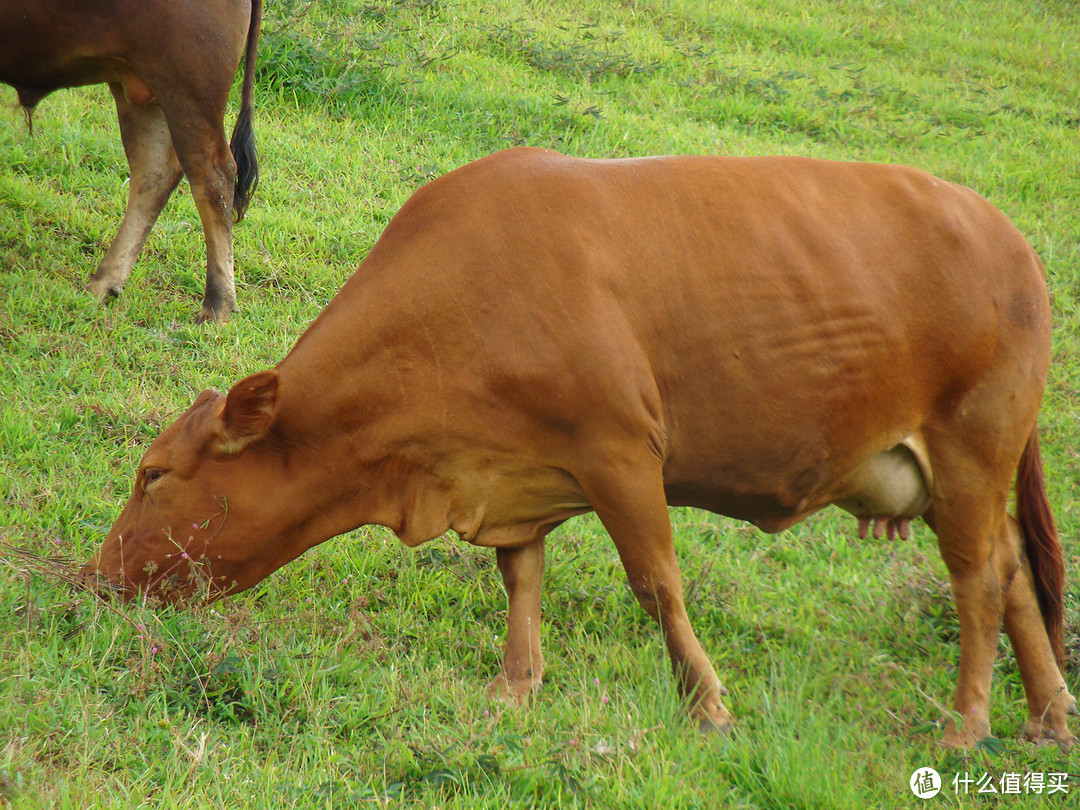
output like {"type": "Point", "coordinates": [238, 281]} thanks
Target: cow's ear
{"type": "Point", "coordinates": [248, 412]}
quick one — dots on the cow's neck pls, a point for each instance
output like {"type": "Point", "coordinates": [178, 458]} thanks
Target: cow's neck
{"type": "Point", "coordinates": [364, 437]}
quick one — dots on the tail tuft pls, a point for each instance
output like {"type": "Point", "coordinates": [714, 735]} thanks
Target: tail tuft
{"type": "Point", "coordinates": [247, 162]}
{"type": "Point", "coordinates": [243, 137]}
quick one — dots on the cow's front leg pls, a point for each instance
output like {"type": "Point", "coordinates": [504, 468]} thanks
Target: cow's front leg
{"type": "Point", "coordinates": [630, 502]}
{"type": "Point", "coordinates": [522, 571]}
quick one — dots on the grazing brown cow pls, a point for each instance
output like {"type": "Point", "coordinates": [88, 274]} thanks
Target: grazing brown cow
{"type": "Point", "coordinates": [170, 66]}
{"type": "Point", "coordinates": [537, 336]}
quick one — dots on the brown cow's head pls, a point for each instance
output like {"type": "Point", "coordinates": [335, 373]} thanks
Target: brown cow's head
{"type": "Point", "coordinates": [202, 519]}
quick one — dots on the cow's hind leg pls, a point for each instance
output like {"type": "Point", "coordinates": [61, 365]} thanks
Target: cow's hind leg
{"type": "Point", "coordinates": [975, 449]}
{"type": "Point", "coordinates": [196, 118]}
{"type": "Point", "coordinates": [155, 172]}
{"type": "Point", "coordinates": [522, 571]}
{"type": "Point", "coordinates": [1047, 695]}
{"type": "Point", "coordinates": [629, 499]}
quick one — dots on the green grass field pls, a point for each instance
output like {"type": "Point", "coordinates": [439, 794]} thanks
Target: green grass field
{"type": "Point", "coordinates": [355, 676]}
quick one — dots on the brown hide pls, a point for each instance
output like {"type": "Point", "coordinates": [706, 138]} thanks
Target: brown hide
{"type": "Point", "coordinates": [536, 336]}
{"type": "Point", "coordinates": [170, 65]}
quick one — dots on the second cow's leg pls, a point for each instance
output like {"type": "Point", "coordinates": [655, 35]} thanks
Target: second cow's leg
{"type": "Point", "coordinates": [155, 172]}
{"type": "Point", "coordinates": [207, 161]}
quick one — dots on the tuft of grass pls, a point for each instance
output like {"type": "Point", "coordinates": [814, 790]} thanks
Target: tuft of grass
{"type": "Point", "coordinates": [355, 675]}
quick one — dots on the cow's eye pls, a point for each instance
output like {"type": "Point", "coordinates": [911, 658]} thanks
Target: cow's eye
{"type": "Point", "coordinates": [152, 474]}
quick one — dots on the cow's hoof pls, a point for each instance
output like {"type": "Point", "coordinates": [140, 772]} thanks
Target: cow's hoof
{"type": "Point", "coordinates": [714, 719]}
{"type": "Point", "coordinates": [961, 735]}
{"type": "Point", "coordinates": [211, 315]}
{"type": "Point", "coordinates": [708, 725]}
{"type": "Point", "coordinates": [1071, 707]}
{"type": "Point", "coordinates": [1051, 726]}
{"type": "Point", "coordinates": [959, 739]}
{"type": "Point", "coordinates": [102, 289]}
{"type": "Point", "coordinates": [956, 742]}
{"type": "Point", "coordinates": [512, 692]}
{"type": "Point", "coordinates": [1041, 732]}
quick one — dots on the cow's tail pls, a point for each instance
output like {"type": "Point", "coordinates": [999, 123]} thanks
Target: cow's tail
{"type": "Point", "coordinates": [243, 137]}
{"type": "Point", "coordinates": [1041, 542]}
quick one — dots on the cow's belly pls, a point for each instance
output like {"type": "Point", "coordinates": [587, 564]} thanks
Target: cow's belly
{"type": "Point", "coordinates": [890, 487]}
{"type": "Point", "coordinates": [37, 79]}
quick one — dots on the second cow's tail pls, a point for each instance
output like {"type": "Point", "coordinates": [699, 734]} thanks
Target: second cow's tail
{"type": "Point", "coordinates": [243, 137]}
{"type": "Point", "coordinates": [1041, 541]}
